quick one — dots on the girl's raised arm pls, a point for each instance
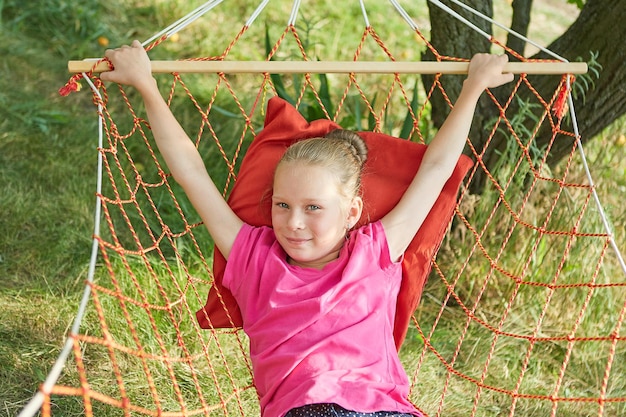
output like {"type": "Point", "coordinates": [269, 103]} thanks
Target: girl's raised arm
{"type": "Point", "coordinates": [132, 67]}
{"type": "Point", "coordinates": [403, 221]}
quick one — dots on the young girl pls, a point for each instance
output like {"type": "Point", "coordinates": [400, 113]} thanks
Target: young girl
{"type": "Point", "coordinates": [317, 298]}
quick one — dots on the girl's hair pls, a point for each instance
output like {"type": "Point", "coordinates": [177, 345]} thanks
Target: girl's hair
{"type": "Point", "coordinates": [341, 151]}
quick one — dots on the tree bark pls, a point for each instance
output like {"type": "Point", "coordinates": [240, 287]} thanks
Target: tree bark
{"type": "Point", "coordinates": [519, 23]}
{"type": "Point", "coordinates": [599, 29]}
{"type": "Point", "coordinates": [452, 38]}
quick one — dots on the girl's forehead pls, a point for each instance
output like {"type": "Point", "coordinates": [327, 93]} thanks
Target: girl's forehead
{"type": "Point", "coordinates": [297, 177]}
{"type": "Point", "coordinates": [294, 169]}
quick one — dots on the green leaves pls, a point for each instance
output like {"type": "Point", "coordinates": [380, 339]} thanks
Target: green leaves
{"type": "Point", "coordinates": [578, 3]}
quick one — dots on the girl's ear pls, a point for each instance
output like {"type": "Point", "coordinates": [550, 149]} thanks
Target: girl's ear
{"type": "Point", "coordinates": [354, 211]}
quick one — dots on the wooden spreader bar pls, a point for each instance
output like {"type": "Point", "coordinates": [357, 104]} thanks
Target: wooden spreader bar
{"type": "Point", "coordinates": [330, 67]}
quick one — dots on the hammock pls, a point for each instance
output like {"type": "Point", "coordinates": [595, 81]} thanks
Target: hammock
{"type": "Point", "coordinates": [529, 285]}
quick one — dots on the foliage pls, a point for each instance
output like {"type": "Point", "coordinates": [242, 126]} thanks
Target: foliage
{"type": "Point", "coordinates": [578, 3]}
{"type": "Point", "coordinates": [524, 123]}
{"type": "Point", "coordinates": [586, 82]}
{"type": "Point", "coordinates": [61, 24]}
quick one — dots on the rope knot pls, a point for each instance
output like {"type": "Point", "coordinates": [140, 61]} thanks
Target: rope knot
{"type": "Point", "coordinates": [71, 86]}
{"type": "Point", "coordinates": [559, 108]}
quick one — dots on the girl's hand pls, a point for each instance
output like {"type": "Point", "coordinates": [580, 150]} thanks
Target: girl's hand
{"type": "Point", "coordinates": [131, 66]}
{"type": "Point", "coordinates": [485, 71]}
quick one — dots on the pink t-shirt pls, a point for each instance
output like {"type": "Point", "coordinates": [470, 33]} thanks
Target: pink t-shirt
{"type": "Point", "coordinates": [320, 336]}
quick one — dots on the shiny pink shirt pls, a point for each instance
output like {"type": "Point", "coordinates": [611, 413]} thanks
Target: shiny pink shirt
{"type": "Point", "coordinates": [320, 336]}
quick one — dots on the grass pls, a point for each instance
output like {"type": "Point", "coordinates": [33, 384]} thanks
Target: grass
{"type": "Point", "coordinates": [47, 166]}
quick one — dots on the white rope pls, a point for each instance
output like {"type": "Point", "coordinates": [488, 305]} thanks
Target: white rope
{"type": "Point", "coordinates": [494, 22]}
{"type": "Point", "coordinates": [364, 12]}
{"type": "Point", "coordinates": [594, 193]}
{"type": "Point", "coordinates": [294, 13]}
{"type": "Point", "coordinates": [460, 18]}
{"type": "Point", "coordinates": [256, 13]}
{"type": "Point", "coordinates": [404, 15]}
{"type": "Point", "coordinates": [184, 21]}
{"type": "Point", "coordinates": [35, 403]}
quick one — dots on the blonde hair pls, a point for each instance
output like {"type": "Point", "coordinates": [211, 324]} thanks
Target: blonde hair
{"type": "Point", "coordinates": [343, 152]}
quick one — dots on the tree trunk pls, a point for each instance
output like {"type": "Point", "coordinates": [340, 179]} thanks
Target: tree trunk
{"type": "Point", "coordinates": [452, 38]}
{"type": "Point", "coordinates": [519, 24]}
{"type": "Point", "coordinates": [599, 29]}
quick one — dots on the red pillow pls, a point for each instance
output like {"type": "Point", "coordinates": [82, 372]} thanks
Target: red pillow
{"type": "Point", "coordinates": [390, 167]}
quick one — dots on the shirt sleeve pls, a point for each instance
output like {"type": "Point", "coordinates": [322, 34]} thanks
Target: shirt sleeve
{"type": "Point", "coordinates": [376, 231]}
{"type": "Point", "coordinates": [249, 249]}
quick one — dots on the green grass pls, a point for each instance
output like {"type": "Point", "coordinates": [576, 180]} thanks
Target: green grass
{"type": "Point", "coordinates": [47, 167]}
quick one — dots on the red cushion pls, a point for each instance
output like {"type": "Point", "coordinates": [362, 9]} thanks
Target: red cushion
{"type": "Point", "coordinates": [390, 167]}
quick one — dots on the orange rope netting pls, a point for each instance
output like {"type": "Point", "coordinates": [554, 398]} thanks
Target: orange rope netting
{"type": "Point", "coordinates": [523, 313]}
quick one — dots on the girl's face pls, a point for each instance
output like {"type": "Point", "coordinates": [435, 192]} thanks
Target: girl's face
{"type": "Point", "coordinates": [309, 215]}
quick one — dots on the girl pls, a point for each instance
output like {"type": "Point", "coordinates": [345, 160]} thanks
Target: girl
{"type": "Point", "coordinates": [317, 298]}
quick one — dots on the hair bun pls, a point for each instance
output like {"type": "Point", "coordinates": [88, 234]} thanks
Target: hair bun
{"type": "Point", "coordinates": [354, 142]}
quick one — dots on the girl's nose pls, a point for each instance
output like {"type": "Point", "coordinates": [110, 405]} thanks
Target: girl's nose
{"type": "Point", "coordinates": [295, 220]}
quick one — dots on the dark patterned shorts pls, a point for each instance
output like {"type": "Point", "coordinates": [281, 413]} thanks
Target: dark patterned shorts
{"type": "Point", "coordinates": [333, 410]}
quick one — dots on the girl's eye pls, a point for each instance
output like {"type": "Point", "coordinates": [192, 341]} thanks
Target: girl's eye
{"type": "Point", "coordinates": [282, 205]}
{"type": "Point", "coordinates": [313, 207]}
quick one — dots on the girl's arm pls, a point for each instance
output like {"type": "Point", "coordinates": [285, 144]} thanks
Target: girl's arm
{"type": "Point", "coordinates": [132, 67]}
{"type": "Point", "coordinates": [404, 220]}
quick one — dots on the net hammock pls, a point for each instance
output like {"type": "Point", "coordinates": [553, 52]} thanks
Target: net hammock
{"type": "Point", "coordinates": [524, 308]}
